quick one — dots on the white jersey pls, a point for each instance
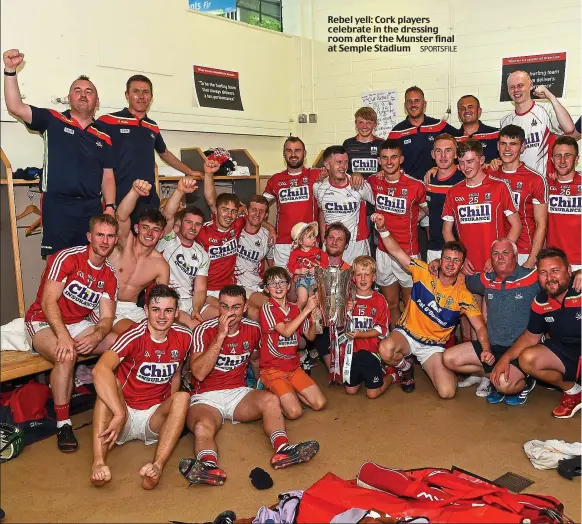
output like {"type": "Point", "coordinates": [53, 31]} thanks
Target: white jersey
{"type": "Point", "coordinates": [345, 205]}
{"type": "Point", "coordinates": [186, 263]}
{"type": "Point", "coordinates": [250, 259]}
{"type": "Point", "coordinates": [540, 125]}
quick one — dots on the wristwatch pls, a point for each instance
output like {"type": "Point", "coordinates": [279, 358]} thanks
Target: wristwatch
{"type": "Point", "coordinates": [113, 206]}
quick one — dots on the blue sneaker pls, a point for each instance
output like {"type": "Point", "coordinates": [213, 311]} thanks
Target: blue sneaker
{"type": "Point", "coordinates": [495, 397]}
{"type": "Point", "coordinates": [521, 398]}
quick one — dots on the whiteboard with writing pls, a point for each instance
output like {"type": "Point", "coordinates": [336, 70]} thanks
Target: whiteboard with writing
{"type": "Point", "coordinates": [384, 103]}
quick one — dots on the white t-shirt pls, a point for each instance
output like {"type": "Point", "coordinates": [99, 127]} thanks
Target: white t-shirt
{"type": "Point", "coordinates": [345, 205]}
{"type": "Point", "coordinates": [250, 259]}
{"type": "Point", "coordinates": [186, 263]}
{"type": "Point", "coordinates": [540, 124]}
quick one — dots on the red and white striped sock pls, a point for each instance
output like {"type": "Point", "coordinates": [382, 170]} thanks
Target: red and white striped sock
{"type": "Point", "coordinates": [279, 439]}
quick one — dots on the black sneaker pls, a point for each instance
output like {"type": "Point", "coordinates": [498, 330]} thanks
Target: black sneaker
{"type": "Point", "coordinates": [66, 440]}
{"type": "Point", "coordinates": [294, 454]}
{"type": "Point", "coordinates": [407, 382]}
{"type": "Point", "coordinates": [198, 472]}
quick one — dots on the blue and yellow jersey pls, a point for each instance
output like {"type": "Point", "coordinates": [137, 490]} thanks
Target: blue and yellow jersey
{"type": "Point", "coordinates": [434, 309]}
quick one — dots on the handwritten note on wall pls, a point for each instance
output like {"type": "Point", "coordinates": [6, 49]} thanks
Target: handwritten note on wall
{"type": "Point", "coordinates": [384, 103]}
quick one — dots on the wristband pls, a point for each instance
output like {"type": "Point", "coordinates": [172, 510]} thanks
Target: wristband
{"type": "Point", "coordinates": [384, 234]}
{"type": "Point", "coordinates": [9, 73]}
{"type": "Point", "coordinates": [113, 206]}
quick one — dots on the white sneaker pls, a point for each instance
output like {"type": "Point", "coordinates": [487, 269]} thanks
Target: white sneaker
{"type": "Point", "coordinates": [484, 388]}
{"type": "Point", "coordinates": [471, 380]}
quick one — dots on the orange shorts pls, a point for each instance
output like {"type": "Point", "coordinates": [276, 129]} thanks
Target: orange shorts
{"type": "Point", "coordinates": [281, 382]}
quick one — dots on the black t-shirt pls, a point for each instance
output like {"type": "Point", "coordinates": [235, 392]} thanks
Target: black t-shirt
{"type": "Point", "coordinates": [562, 322]}
{"type": "Point", "coordinates": [363, 156]}
{"type": "Point", "coordinates": [487, 135]}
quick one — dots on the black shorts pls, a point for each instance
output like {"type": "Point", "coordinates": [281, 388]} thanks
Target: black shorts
{"type": "Point", "coordinates": [568, 355]}
{"type": "Point", "coordinates": [497, 351]}
{"type": "Point", "coordinates": [368, 369]}
{"type": "Point", "coordinates": [321, 343]}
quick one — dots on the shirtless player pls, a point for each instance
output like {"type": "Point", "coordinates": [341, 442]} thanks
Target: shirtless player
{"type": "Point", "coordinates": [135, 259]}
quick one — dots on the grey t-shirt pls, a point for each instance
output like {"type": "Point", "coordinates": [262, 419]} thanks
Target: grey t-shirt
{"type": "Point", "coordinates": [508, 302]}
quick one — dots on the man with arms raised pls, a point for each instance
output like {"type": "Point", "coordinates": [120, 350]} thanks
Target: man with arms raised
{"type": "Point", "coordinates": [555, 315]}
{"type": "Point", "coordinates": [401, 199]}
{"type": "Point", "coordinates": [138, 388]}
{"type": "Point", "coordinates": [339, 201]}
{"type": "Point", "coordinates": [565, 202]}
{"type": "Point", "coordinates": [222, 350]}
{"type": "Point", "coordinates": [529, 191]}
{"type": "Point", "coordinates": [447, 175]}
{"type": "Point", "coordinates": [539, 121]}
{"type": "Point", "coordinates": [135, 259]}
{"type": "Point", "coordinates": [255, 254]}
{"type": "Point", "coordinates": [187, 259]}
{"type": "Point", "coordinates": [432, 313]}
{"type": "Point", "coordinates": [508, 292]}
{"type": "Point", "coordinates": [78, 159]}
{"type": "Point", "coordinates": [478, 208]}
{"type": "Point", "coordinates": [76, 282]}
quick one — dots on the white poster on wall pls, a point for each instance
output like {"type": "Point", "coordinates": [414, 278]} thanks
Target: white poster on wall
{"type": "Point", "coordinates": [384, 103]}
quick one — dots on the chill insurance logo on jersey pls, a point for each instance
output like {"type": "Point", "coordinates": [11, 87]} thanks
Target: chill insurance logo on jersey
{"type": "Point", "coordinates": [156, 372]}
{"type": "Point", "coordinates": [391, 204]}
{"type": "Point", "coordinates": [80, 294]}
{"type": "Point", "coordinates": [184, 266]}
{"type": "Point", "coordinates": [365, 165]}
{"type": "Point", "coordinates": [474, 213]}
{"type": "Point", "coordinates": [565, 204]}
{"type": "Point", "coordinates": [227, 363]}
{"type": "Point", "coordinates": [225, 250]}
{"type": "Point", "coordinates": [293, 194]}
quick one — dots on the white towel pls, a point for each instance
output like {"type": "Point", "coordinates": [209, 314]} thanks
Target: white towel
{"type": "Point", "coordinates": [13, 336]}
{"type": "Point", "coordinates": [546, 455]}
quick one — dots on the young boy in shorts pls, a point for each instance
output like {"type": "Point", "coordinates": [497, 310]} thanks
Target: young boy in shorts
{"type": "Point", "coordinates": [282, 323]}
{"type": "Point", "coordinates": [370, 321]}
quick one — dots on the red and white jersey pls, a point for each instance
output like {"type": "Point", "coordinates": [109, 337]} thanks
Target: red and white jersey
{"type": "Point", "coordinates": [400, 202]}
{"type": "Point", "coordinates": [230, 370]}
{"type": "Point", "coordinates": [222, 248]}
{"type": "Point", "coordinates": [370, 313]}
{"type": "Point", "coordinates": [528, 188]}
{"type": "Point", "coordinates": [295, 202]}
{"type": "Point", "coordinates": [253, 249]}
{"type": "Point", "coordinates": [345, 205]}
{"type": "Point", "coordinates": [479, 215]}
{"type": "Point", "coordinates": [148, 365]}
{"type": "Point", "coordinates": [278, 351]}
{"type": "Point", "coordinates": [540, 125]}
{"type": "Point", "coordinates": [300, 259]}
{"type": "Point", "coordinates": [565, 217]}
{"type": "Point", "coordinates": [186, 263]}
{"type": "Point", "coordinates": [85, 285]}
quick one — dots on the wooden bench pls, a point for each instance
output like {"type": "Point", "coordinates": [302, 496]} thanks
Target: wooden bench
{"type": "Point", "coordinates": [16, 364]}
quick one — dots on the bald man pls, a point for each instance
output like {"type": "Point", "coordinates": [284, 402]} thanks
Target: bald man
{"type": "Point", "coordinates": [541, 122]}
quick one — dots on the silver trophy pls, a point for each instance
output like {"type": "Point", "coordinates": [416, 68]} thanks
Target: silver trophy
{"type": "Point", "coordinates": [335, 289]}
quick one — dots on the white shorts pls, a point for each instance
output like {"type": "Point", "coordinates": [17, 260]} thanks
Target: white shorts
{"type": "Point", "coordinates": [356, 249]}
{"type": "Point", "coordinates": [421, 351]}
{"type": "Point", "coordinates": [250, 290]}
{"type": "Point", "coordinates": [185, 304]}
{"type": "Point", "coordinates": [33, 327]}
{"type": "Point", "coordinates": [130, 311]}
{"type": "Point", "coordinates": [224, 400]}
{"type": "Point", "coordinates": [522, 258]}
{"type": "Point", "coordinates": [388, 271]}
{"type": "Point", "coordinates": [425, 221]}
{"type": "Point", "coordinates": [432, 254]}
{"type": "Point", "coordinates": [281, 254]}
{"type": "Point", "coordinates": [137, 426]}
{"type": "Point", "coordinates": [214, 293]}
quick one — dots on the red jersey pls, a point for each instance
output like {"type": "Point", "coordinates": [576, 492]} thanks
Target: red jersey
{"type": "Point", "coordinates": [295, 201]}
{"type": "Point", "coordinates": [85, 285]}
{"type": "Point", "coordinates": [300, 259]}
{"type": "Point", "coordinates": [370, 313]}
{"type": "Point", "coordinates": [565, 217]}
{"type": "Point", "coordinates": [479, 215]}
{"type": "Point", "coordinates": [400, 203]}
{"type": "Point", "coordinates": [230, 370]}
{"type": "Point", "coordinates": [528, 188]}
{"type": "Point", "coordinates": [222, 248]}
{"type": "Point", "coordinates": [278, 351]}
{"type": "Point", "coordinates": [148, 365]}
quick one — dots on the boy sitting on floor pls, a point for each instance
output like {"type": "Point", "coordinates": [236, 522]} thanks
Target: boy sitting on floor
{"type": "Point", "coordinates": [370, 321]}
{"type": "Point", "coordinates": [281, 325]}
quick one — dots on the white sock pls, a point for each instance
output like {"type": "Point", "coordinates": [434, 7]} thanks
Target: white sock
{"type": "Point", "coordinates": [61, 423]}
{"type": "Point", "coordinates": [576, 388]}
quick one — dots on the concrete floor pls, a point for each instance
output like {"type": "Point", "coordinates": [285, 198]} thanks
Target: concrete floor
{"type": "Point", "coordinates": [398, 430]}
